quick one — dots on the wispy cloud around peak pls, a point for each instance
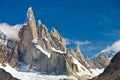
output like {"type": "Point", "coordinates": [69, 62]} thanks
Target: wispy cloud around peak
{"type": "Point", "coordinates": [10, 31]}
{"type": "Point", "coordinates": [76, 42]}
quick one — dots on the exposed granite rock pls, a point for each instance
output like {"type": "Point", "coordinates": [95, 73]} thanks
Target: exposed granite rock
{"type": "Point", "coordinates": [101, 61]}
{"type": "Point", "coordinates": [8, 51]}
{"type": "Point", "coordinates": [71, 52]}
{"type": "Point", "coordinates": [71, 66]}
{"type": "Point", "coordinates": [45, 36]}
{"type": "Point", "coordinates": [31, 23]}
{"type": "Point", "coordinates": [34, 56]}
{"type": "Point", "coordinates": [58, 40]}
{"type": "Point", "coordinates": [14, 59]}
{"type": "Point", "coordinates": [79, 54]}
{"type": "Point", "coordinates": [3, 54]}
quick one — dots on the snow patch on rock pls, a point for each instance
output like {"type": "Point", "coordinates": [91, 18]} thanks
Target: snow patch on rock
{"type": "Point", "coordinates": [82, 70]}
{"type": "Point", "coordinates": [55, 50]}
{"type": "Point", "coordinates": [44, 51]}
{"type": "Point", "coordinates": [34, 41]}
{"type": "Point", "coordinates": [96, 72]}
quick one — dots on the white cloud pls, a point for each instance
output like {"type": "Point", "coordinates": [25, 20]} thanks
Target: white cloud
{"type": "Point", "coordinates": [76, 42]}
{"type": "Point", "coordinates": [116, 46]}
{"type": "Point", "coordinates": [68, 41]}
{"type": "Point", "coordinates": [10, 31]}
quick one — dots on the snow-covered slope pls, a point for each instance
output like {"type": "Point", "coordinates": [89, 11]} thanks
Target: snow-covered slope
{"type": "Point", "coordinates": [110, 50]}
{"type": "Point", "coordinates": [82, 70]}
{"type": "Point", "coordinates": [34, 75]}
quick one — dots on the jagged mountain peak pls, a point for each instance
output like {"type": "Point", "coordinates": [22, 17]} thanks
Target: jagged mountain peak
{"type": "Point", "coordinates": [79, 54]}
{"type": "Point", "coordinates": [78, 49]}
{"type": "Point", "coordinates": [53, 30]}
{"type": "Point", "coordinates": [32, 23]}
{"type": "Point", "coordinates": [47, 51]}
{"type": "Point", "coordinates": [30, 12]}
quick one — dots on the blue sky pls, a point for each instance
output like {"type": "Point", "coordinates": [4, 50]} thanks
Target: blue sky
{"type": "Point", "coordinates": [94, 24]}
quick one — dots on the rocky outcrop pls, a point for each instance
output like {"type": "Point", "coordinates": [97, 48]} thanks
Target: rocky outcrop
{"type": "Point", "coordinates": [9, 52]}
{"type": "Point", "coordinates": [38, 52]}
{"type": "Point", "coordinates": [112, 70]}
{"type": "Point", "coordinates": [32, 23]}
{"type": "Point", "coordinates": [79, 54]}
{"type": "Point", "coordinates": [58, 40]}
{"type": "Point", "coordinates": [6, 76]}
{"type": "Point", "coordinates": [45, 36]}
{"type": "Point", "coordinates": [101, 61]}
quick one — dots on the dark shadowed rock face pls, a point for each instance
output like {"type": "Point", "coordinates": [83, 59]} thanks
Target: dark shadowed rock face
{"type": "Point", "coordinates": [6, 76]}
{"type": "Point", "coordinates": [112, 71]}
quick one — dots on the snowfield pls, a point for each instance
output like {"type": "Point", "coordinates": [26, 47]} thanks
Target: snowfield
{"type": "Point", "coordinates": [82, 70]}
{"type": "Point", "coordinates": [34, 75]}
{"type": "Point", "coordinates": [40, 76]}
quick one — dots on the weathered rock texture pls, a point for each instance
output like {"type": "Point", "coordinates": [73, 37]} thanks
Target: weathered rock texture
{"type": "Point", "coordinates": [59, 41]}
{"type": "Point", "coordinates": [100, 61]}
{"type": "Point", "coordinates": [8, 51]}
{"type": "Point", "coordinates": [32, 23]}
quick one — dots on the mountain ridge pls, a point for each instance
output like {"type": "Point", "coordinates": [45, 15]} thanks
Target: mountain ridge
{"type": "Point", "coordinates": [47, 52]}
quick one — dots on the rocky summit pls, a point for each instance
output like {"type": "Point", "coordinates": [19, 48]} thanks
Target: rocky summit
{"type": "Point", "coordinates": [47, 52]}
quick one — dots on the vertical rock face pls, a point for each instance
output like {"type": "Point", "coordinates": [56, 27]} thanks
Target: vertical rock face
{"type": "Point", "coordinates": [32, 23]}
{"type": "Point", "coordinates": [28, 33]}
{"type": "Point", "coordinates": [36, 54]}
